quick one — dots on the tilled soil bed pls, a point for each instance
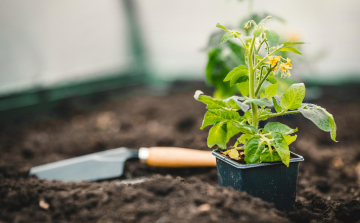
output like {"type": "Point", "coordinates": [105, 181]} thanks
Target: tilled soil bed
{"type": "Point", "coordinates": [328, 184]}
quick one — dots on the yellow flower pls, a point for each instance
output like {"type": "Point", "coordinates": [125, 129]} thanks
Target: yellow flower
{"type": "Point", "coordinates": [273, 60]}
{"type": "Point", "coordinates": [284, 67]}
{"type": "Point", "coordinates": [288, 60]}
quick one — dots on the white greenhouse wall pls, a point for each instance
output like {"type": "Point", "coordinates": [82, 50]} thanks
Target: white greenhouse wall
{"type": "Point", "coordinates": [45, 42]}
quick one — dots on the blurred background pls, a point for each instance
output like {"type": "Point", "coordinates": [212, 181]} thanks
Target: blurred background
{"type": "Point", "coordinates": [53, 50]}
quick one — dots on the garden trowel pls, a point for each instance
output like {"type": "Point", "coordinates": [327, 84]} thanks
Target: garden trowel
{"type": "Point", "coordinates": [110, 163]}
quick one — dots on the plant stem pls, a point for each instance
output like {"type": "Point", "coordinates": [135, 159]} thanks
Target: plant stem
{"type": "Point", "coordinates": [255, 118]}
{"type": "Point", "coordinates": [280, 113]}
{"type": "Point", "coordinates": [262, 81]}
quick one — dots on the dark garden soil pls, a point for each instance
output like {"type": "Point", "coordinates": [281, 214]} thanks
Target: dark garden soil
{"type": "Point", "coordinates": [328, 184]}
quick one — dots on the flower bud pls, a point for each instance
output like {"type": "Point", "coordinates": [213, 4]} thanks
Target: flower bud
{"type": "Point", "coordinates": [247, 25]}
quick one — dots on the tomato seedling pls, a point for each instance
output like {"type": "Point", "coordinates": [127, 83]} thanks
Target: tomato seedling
{"type": "Point", "coordinates": [271, 143]}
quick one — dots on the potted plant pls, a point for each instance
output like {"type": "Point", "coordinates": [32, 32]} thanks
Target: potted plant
{"type": "Point", "coordinates": [260, 162]}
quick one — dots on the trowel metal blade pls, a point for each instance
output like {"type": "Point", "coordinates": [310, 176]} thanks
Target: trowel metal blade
{"type": "Point", "coordinates": [97, 166]}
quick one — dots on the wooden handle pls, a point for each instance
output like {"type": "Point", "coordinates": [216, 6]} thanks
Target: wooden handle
{"type": "Point", "coordinates": [174, 157]}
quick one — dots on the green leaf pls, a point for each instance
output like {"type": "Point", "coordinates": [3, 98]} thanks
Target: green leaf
{"type": "Point", "coordinates": [332, 125]}
{"type": "Point", "coordinates": [253, 149]}
{"type": "Point", "coordinates": [233, 128]}
{"type": "Point", "coordinates": [244, 138]}
{"type": "Point", "coordinates": [293, 43]}
{"type": "Point", "coordinates": [259, 57]}
{"type": "Point", "coordinates": [266, 111]}
{"type": "Point", "coordinates": [234, 102]}
{"type": "Point", "coordinates": [320, 117]}
{"type": "Point", "coordinates": [221, 27]}
{"type": "Point", "coordinates": [227, 36]}
{"type": "Point", "coordinates": [269, 156]}
{"type": "Point", "coordinates": [317, 116]}
{"type": "Point", "coordinates": [248, 129]}
{"type": "Point", "coordinates": [237, 75]}
{"type": "Point", "coordinates": [243, 88]}
{"type": "Point", "coordinates": [271, 91]}
{"type": "Point", "coordinates": [281, 147]}
{"type": "Point", "coordinates": [293, 97]}
{"type": "Point", "coordinates": [213, 116]}
{"type": "Point", "coordinates": [289, 139]}
{"type": "Point", "coordinates": [217, 136]}
{"type": "Point", "coordinates": [260, 102]}
{"type": "Point", "coordinates": [276, 101]}
{"type": "Point", "coordinates": [257, 31]}
{"type": "Point", "coordinates": [291, 49]}
{"type": "Point", "coordinates": [209, 101]}
{"type": "Point", "coordinates": [272, 37]}
{"type": "Point", "coordinates": [279, 127]}
{"type": "Point", "coordinates": [262, 95]}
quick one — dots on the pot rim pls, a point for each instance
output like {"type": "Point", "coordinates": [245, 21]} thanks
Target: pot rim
{"type": "Point", "coordinates": [253, 165]}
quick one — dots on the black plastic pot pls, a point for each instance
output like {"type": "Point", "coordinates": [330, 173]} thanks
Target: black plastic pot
{"type": "Point", "coordinates": [272, 182]}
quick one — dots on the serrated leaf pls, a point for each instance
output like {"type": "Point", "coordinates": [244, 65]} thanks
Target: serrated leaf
{"type": "Point", "coordinates": [281, 147]}
{"type": "Point", "coordinates": [271, 91]}
{"type": "Point", "coordinates": [272, 37]}
{"type": "Point", "coordinates": [243, 88]}
{"type": "Point", "coordinates": [227, 36]}
{"type": "Point", "coordinates": [293, 97]}
{"type": "Point", "coordinates": [257, 31]}
{"type": "Point", "coordinates": [293, 43]}
{"type": "Point", "coordinates": [276, 101]}
{"type": "Point", "coordinates": [213, 116]}
{"type": "Point", "coordinates": [217, 136]}
{"type": "Point", "coordinates": [279, 127]}
{"type": "Point", "coordinates": [209, 101]}
{"type": "Point", "coordinates": [244, 138]}
{"type": "Point", "coordinates": [237, 75]}
{"type": "Point", "coordinates": [317, 116]}
{"type": "Point", "coordinates": [289, 139]}
{"type": "Point", "coordinates": [291, 49]}
{"type": "Point", "coordinates": [221, 27]}
{"type": "Point", "coordinates": [233, 128]}
{"type": "Point", "coordinates": [260, 102]}
{"type": "Point", "coordinates": [268, 156]}
{"type": "Point", "coordinates": [320, 117]}
{"type": "Point", "coordinates": [245, 128]}
{"type": "Point", "coordinates": [234, 102]}
{"type": "Point", "coordinates": [253, 149]}
{"type": "Point", "coordinates": [331, 123]}
{"type": "Point", "coordinates": [332, 126]}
